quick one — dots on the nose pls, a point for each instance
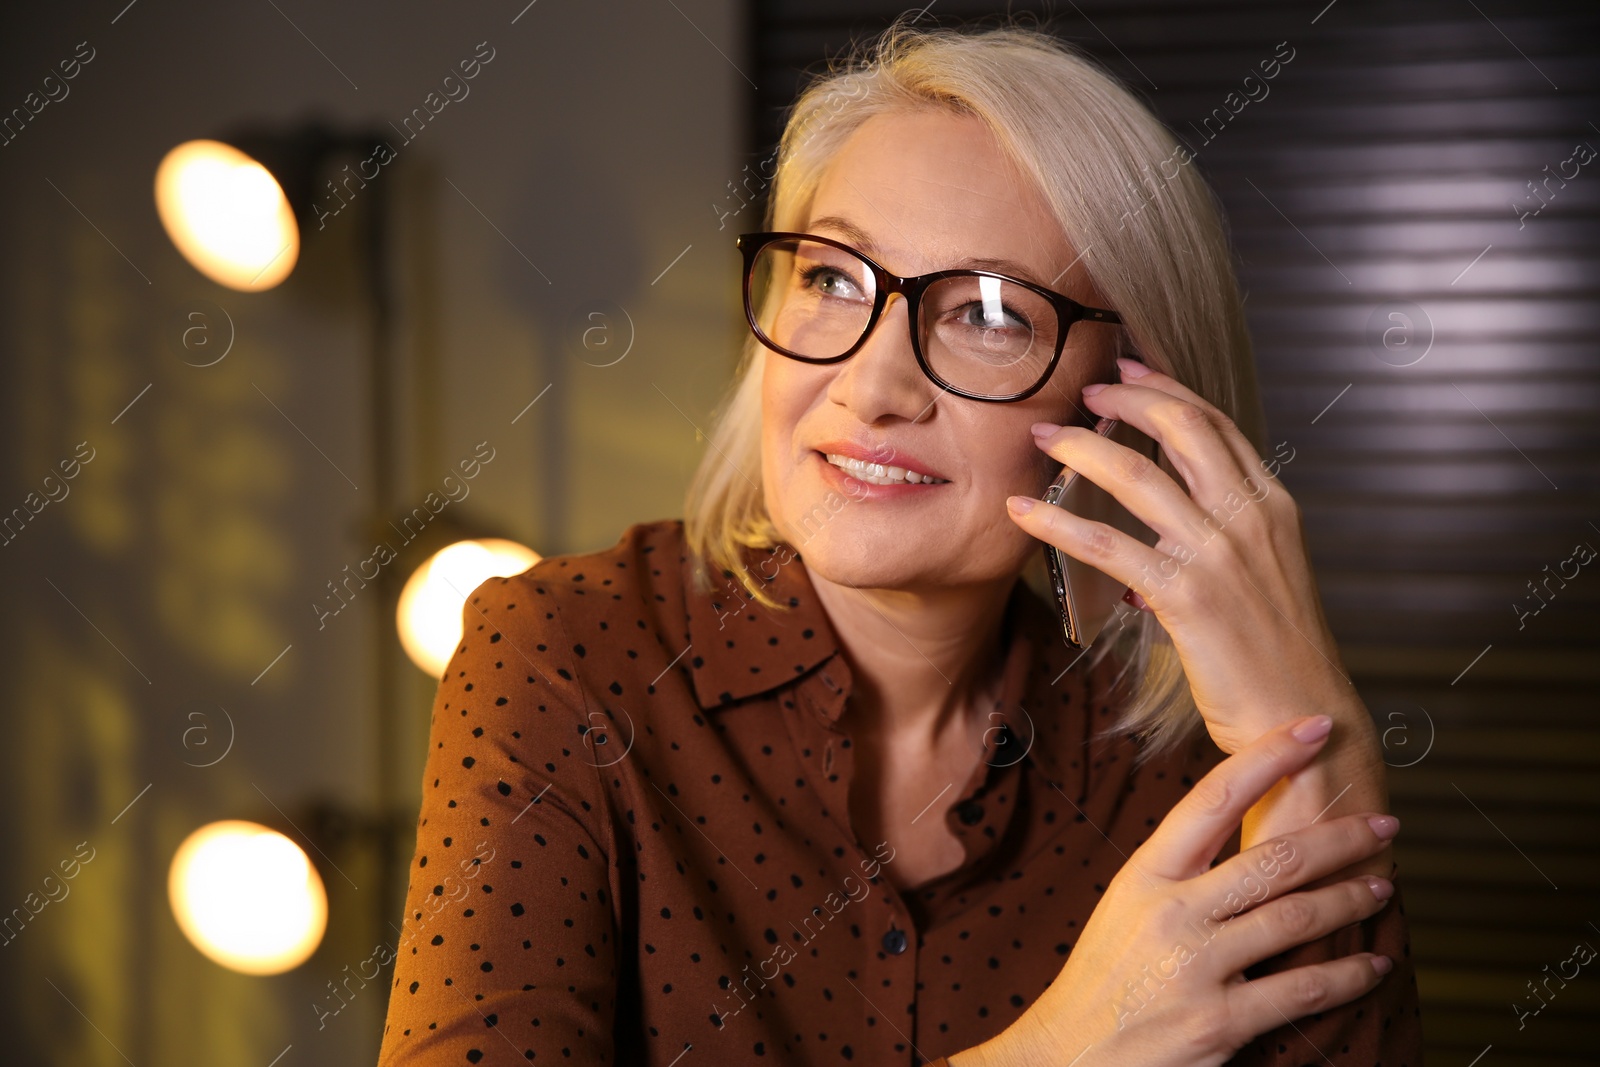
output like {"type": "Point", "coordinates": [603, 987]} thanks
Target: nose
{"type": "Point", "coordinates": [882, 379]}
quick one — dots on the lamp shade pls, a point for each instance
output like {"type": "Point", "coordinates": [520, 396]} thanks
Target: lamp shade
{"type": "Point", "coordinates": [227, 214]}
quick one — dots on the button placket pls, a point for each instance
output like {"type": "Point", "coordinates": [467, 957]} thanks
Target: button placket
{"type": "Point", "coordinates": [900, 959]}
{"type": "Point", "coordinates": [839, 760]}
{"type": "Point", "coordinates": [811, 726]}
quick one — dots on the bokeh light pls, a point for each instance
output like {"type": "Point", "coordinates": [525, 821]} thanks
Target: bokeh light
{"type": "Point", "coordinates": [228, 215]}
{"type": "Point", "coordinates": [429, 615]}
{"type": "Point", "coordinates": [247, 897]}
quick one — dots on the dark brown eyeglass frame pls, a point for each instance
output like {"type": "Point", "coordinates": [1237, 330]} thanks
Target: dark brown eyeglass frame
{"type": "Point", "coordinates": [1068, 310]}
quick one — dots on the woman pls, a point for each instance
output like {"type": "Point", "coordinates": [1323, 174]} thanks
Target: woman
{"type": "Point", "coordinates": [856, 800]}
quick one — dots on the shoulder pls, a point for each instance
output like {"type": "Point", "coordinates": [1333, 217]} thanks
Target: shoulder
{"type": "Point", "coordinates": [644, 562]}
{"type": "Point", "coordinates": [645, 566]}
{"type": "Point", "coordinates": [546, 652]}
{"type": "Point", "coordinates": [589, 613]}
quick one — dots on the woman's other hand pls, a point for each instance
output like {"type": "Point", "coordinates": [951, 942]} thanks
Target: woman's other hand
{"type": "Point", "coordinates": [1157, 977]}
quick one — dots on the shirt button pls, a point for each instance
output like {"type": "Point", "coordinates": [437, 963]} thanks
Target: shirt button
{"type": "Point", "coordinates": [894, 942]}
{"type": "Point", "coordinates": [970, 812]}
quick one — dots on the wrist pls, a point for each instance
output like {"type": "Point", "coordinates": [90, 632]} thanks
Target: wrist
{"type": "Point", "coordinates": [988, 1053]}
{"type": "Point", "coordinates": [1027, 1044]}
{"type": "Point", "coordinates": [1347, 776]}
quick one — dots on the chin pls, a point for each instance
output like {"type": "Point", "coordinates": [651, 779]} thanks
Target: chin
{"type": "Point", "coordinates": [869, 574]}
{"type": "Point", "coordinates": [866, 554]}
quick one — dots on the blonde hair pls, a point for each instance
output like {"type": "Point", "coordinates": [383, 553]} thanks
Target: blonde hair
{"type": "Point", "coordinates": [1147, 227]}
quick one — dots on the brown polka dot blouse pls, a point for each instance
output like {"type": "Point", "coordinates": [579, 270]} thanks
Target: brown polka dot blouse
{"type": "Point", "coordinates": [635, 844]}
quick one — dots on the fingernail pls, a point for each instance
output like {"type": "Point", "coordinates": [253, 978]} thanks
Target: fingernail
{"type": "Point", "coordinates": [1381, 888]}
{"type": "Point", "coordinates": [1090, 390]}
{"type": "Point", "coordinates": [1382, 964]}
{"type": "Point", "coordinates": [1313, 729]}
{"type": "Point", "coordinates": [1385, 826]}
{"type": "Point", "coordinates": [1132, 368]}
{"type": "Point", "coordinates": [1044, 429]}
{"type": "Point", "coordinates": [1020, 505]}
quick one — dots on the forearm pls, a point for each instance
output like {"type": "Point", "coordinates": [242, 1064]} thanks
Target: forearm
{"type": "Point", "coordinates": [1347, 776]}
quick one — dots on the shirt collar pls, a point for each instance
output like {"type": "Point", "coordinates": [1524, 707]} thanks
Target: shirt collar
{"type": "Point", "coordinates": [740, 648]}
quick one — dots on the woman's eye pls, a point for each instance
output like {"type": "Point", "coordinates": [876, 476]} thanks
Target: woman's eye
{"type": "Point", "coordinates": [985, 316]}
{"type": "Point", "coordinates": [828, 281]}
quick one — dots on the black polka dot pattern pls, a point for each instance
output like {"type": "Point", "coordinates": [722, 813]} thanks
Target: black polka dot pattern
{"type": "Point", "coordinates": [635, 837]}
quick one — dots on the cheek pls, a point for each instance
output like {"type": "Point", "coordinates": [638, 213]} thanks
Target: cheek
{"type": "Point", "coordinates": [1015, 465]}
{"type": "Point", "coordinates": [772, 416]}
{"type": "Point", "coordinates": [782, 404]}
{"type": "Point", "coordinates": [1017, 469]}
{"type": "Point", "coordinates": [1088, 357]}
{"type": "Point", "coordinates": [782, 397]}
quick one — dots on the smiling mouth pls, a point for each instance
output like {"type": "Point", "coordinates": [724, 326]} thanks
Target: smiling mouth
{"type": "Point", "coordinates": [881, 473]}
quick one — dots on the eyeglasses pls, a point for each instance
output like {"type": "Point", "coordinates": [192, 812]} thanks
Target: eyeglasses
{"type": "Point", "coordinates": [975, 333]}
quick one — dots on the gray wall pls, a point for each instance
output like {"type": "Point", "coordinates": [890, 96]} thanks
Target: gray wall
{"type": "Point", "coordinates": [186, 556]}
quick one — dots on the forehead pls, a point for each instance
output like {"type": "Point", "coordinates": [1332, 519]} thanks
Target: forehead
{"type": "Point", "coordinates": [929, 189]}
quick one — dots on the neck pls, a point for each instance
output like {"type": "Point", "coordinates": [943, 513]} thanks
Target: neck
{"type": "Point", "coordinates": [921, 658]}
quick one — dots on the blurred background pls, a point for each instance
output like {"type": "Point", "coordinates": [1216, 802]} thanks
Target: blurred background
{"type": "Point", "coordinates": [512, 322]}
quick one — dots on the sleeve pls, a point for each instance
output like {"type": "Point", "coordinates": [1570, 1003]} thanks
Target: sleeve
{"type": "Point", "coordinates": [508, 951]}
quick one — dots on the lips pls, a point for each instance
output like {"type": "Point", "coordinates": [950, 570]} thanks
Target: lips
{"type": "Point", "coordinates": [885, 462]}
{"type": "Point", "coordinates": [879, 473]}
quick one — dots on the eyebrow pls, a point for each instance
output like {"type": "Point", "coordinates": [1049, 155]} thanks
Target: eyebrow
{"type": "Point", "coordinates": [863, 240]}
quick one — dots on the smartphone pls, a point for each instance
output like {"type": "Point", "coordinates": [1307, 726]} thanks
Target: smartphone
{"type": "Point", "coordinates": [1087, 598]}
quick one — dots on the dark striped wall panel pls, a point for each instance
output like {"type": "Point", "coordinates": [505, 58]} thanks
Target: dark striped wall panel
{"type": "Point", "coordinates": [1381, 171]}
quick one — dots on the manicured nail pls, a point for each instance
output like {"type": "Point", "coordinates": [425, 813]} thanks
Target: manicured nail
{"type": "Point", "coordinates": [1385, 826]}
{"type": "Point", "coordinates": [1312, 729]}
{"type": "Point", "coordinates": [1382, 964]}
{"type": "Point", "coordinates": [1044, 429]}
{"type": "Point", "coordinates": [1381, 888]}
{"type": "Point", "coordinates": [1020, 505]}
{"type": "Point", "coordinates": [1132, 368]}
{"type": "Point", "coordinates": [1090, 390]}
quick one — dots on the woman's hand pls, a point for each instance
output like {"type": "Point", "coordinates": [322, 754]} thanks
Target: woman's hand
{"type": "Point", "coordinates": [1157, 978]}
{"type": "Point", "coordinates": [1229, 579]}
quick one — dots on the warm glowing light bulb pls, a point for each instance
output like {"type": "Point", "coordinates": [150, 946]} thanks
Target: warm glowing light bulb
{"type": "Point", "coordinates": [227, 215]}
{"type": "Point", "coordinates": [247, 897]}
{"type": "Point", "coordinates": [429, 615]}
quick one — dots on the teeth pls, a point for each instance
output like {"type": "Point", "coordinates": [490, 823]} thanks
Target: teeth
{"type": "Point", "coordinates": [882, 474]}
